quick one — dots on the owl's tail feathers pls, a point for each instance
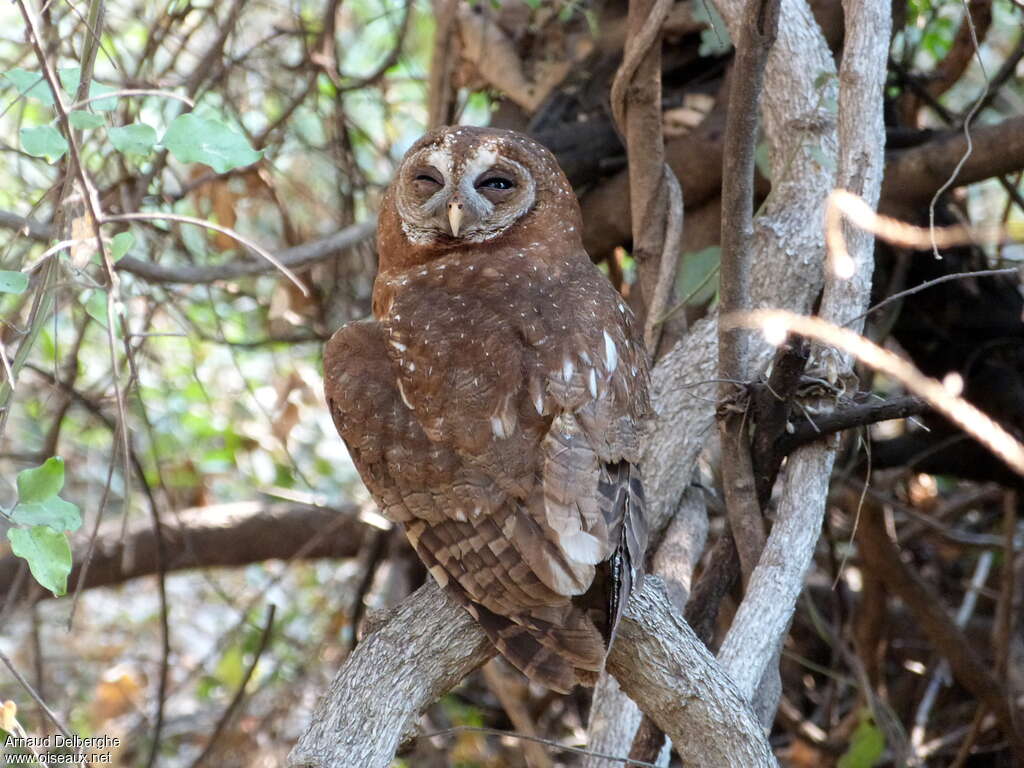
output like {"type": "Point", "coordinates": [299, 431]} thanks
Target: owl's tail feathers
{"type": "Point", "coordinates": [557, 657]}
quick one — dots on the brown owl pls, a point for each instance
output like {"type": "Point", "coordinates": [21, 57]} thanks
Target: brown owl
{"type": "Point", "coordinates": [494, 404]}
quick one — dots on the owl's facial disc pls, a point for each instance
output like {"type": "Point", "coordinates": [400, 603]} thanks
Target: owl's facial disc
{"type": "Point", "coordinates": [444, 202]}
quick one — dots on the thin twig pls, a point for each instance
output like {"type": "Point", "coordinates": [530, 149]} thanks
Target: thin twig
{"type": "Point", "coordinates": [134, 92]}
{"type": "Point", "coordinates": [253, 246]}
{"type": "Point", "coordinates": [39, 701]}
{"type": "Point", "coordinates": [967, 132]}
{"type": "Point", "coordinates": [930, 284]}
{"type": "Point", "coordinates": [236, 700]}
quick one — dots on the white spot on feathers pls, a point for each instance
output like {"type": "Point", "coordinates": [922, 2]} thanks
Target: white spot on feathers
{"type": "Point", "coordinates": [581, 547]}
{"type": "Point", "coordinates": [401, 391]}
{"type": "Point", "coordinates": [611, 354]}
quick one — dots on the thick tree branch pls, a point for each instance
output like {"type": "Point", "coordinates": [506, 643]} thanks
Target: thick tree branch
{"type": "Point", "coordinates": [223, 535]}
{"type": "Point", "coordinates": [765, 613]}
{"type": "Point", "coordinates": [393, 675]}
{"type": "Point", "coordinates": [912, 175]}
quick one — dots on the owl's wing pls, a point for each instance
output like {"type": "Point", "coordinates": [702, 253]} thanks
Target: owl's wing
{"type": "Point", "coordinates": [457, 516]}
{"type": "Point", "coordinates": [541, 385]}
{"type": "Point", "coordinates": [595, 380]}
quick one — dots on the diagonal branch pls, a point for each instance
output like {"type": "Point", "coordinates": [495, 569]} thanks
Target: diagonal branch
{"type": "Point", "coordinates": [428, 644]}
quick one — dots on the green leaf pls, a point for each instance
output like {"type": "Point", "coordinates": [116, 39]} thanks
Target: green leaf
{"type": "Point", "coordinates": [42, 483]}
{"type": "Point", "coordinates": [193, 139]}
{"type": "Point", "coordinates": [102, 105]}
{"type": "Point", "coordinates": [135, 139]}
{"type": "Point", "coordinates": [48, 555]}
{"type": "Point", "coordinates": [119, 246]}
{"type": "Point", "coordinates": [866, 745]}
{"type": "Point", "coordinates": [30, 84]}
{"type": "Point", "coordinates": [696, 281]}
{"type": "Point", "coordinates": [43, 141]}
{"type": "Point", "coordinates": [96, 307]}
{"type": "Point", "coordinates": [71, 77]}
{"type": "Point", "coordinates": [83, 120]}
{"type": "Point", "coordinates": [56, 514]}
{"type": "Point", "coordinates": [714, 38]}
{"type": "Point", "coordinates": [231, 667]}
{"type": "Point", "coordinates": [828, 162]}
{"type": "Point", "coordinates": [763, 160]}
{"type": "Point", "coordinates": [13, 282]}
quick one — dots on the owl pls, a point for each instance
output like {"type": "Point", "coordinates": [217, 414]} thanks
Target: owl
{"type": "Point", "coordinates": [495, 403]}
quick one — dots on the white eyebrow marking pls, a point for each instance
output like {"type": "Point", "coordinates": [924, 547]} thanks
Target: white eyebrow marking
{"type": "Point", "coordinates": [442, 160]}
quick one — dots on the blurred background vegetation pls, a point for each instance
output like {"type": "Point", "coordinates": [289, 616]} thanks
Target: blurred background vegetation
{"type": "Point", "coordinates": [213, 359]}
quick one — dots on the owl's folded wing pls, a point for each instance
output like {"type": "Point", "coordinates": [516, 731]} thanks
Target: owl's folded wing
{"type": "Point", "coordinates": [467, 531]}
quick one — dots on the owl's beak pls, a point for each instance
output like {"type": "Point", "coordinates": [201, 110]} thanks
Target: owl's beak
{"type": "Point", "coordinates": [455, 214]}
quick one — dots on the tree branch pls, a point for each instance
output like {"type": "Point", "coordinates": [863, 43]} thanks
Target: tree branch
{"type": "Point", "coordinates": [849, 418]}
{"type": "Point", "coordinates": [394, 674]}
{"type": "Point", "coordinates": [758, 31]}
{"type": "Point", "coordinates": [222, 535]}
{"type": "Point", "coordinates": [293, 258]}
{"type": "Point", "coordinates": [765, 613]}
{"type": "Point", "coordinates": [968, 667]}
{"type": "Point", "coordinates": [912, 175]}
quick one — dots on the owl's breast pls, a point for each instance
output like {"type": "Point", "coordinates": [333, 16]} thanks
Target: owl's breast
{"type": "Point", "coordinates": [462, 337]}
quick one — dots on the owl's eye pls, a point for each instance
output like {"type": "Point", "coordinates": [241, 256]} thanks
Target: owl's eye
{"type": "Point", "coordinates": [496, 182]}
{"type": "Point", "coordinates": [426, 182]}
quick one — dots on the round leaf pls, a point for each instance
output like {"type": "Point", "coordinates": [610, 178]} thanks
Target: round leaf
{"type": "Point", "coordinates": [134, 139]}
{"type": "Point", "coordinates": [193, 139]}
{"type": "Point", "coordinates": [120, 244]}
{"type": "Point", "coordinates": [56, 514]}
{"type": "Point", "coordinates": [96, 307]}
{"type": "Point", "coordinates": [43, 141]}
{"type": "Point", "coordinates": [82, 119]}
{"type": "Point", "coordinates": [30, 84]}
{"type": "Point", "coordinates": [102, 105]}
{"type": "Point", "coordinates": [42, 483]}
{"type": "Point", "coordinates": [13, 282]}
{"type": "Point", "coordinates": [48, 555]}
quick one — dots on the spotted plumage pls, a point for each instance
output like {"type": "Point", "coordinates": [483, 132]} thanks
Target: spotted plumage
{"type": "Point", "coordinates": [494, 404]}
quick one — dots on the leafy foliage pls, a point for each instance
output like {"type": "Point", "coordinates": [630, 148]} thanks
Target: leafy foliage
{"type": "Point", "coordinates": [41, 522]}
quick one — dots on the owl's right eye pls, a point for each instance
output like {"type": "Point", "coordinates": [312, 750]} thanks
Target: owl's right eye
{"type": "Point", "coordinates": [426, 180]}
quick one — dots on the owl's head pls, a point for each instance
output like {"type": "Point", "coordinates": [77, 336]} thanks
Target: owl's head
{"type": "Point", "coordinates": [461, 185]}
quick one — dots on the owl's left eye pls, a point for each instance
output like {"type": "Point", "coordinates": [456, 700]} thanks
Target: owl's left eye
{"type": "Point", "coordinates": [496, 182]}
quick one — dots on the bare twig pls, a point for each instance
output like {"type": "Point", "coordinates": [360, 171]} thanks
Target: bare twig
{"type": "Point", "coordinates": [976, 423]}
{"type": "Point", "coordinates": [969, 20]}
{"type": "Point", "coordinates": [236, 700]}
{"type": "Point", "coordinates": [250, 244]}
